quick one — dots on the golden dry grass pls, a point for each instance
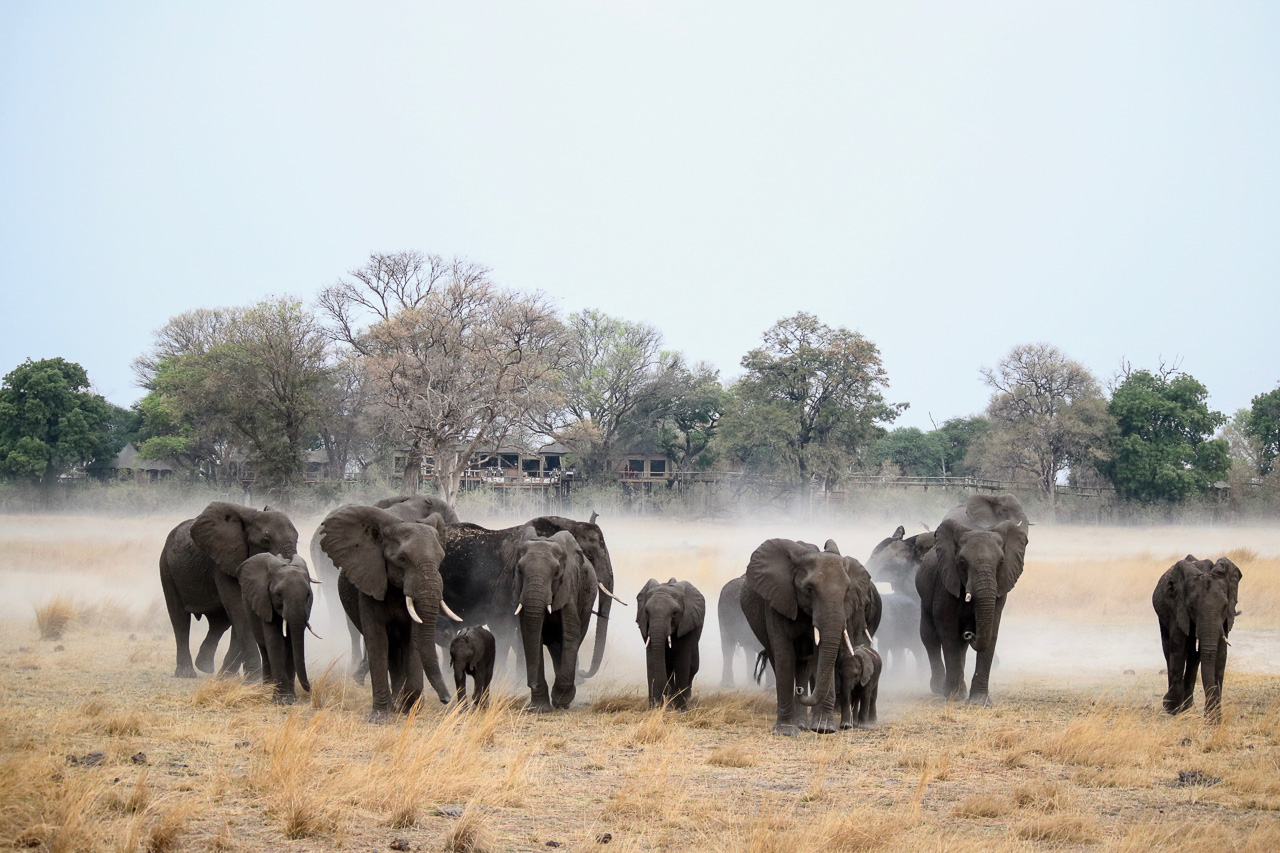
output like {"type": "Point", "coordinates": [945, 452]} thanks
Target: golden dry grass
{"type": "Point", "coordinates": [54, 616]}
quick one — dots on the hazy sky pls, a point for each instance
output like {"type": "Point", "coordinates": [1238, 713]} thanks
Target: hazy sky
{"type": "Point", "coordinates": [949, 179]}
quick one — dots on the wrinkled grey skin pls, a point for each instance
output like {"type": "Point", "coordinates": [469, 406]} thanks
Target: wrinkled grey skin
{"type": "Point", "coordinates": [555, 587]}
{"type": "Point", "coordinates": [899, 635]}
{"type": "Point", "coordinates": [734, 630]}
{"type": "Point", "coordinates": [791, 588]}
{"type": "Point", "coordinates": [472, 653]}
{"type": "Point", "coordinates": [1195, 601]}
{"type": "Point", "coordinates": [984, 512]}
{"type": "Point", "coordinates": [590, 539]}
{"type": "Point", "coordinates": [670, 617]}
{"type": "Point", "coordinates": [857, 686]}
{"type": "Point", "coordinates": [277, 595]}
{"type": "Point", "coordinates": [198, 566]}
{"type": "Point", "coordinates": [381, 560]}
{"type": "Point", "coordinates": [405, 507]}
{"type": "Point", "coordinates": [982, 566]}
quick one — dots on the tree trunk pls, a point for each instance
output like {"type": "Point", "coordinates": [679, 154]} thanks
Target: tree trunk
{"type": "Point", "coordinates": [412, 473]}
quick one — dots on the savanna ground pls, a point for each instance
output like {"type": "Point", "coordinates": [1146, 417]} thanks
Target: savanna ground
{"type": "Point", "coordinates": [1074, 754]}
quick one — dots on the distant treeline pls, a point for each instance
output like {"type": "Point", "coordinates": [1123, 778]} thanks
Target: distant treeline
{"type": "Point", "coordinates": [426, 358]}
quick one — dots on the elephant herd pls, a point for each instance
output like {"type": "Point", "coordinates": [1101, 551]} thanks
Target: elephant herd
{"type": "Point", "coordinates": [406, 575]}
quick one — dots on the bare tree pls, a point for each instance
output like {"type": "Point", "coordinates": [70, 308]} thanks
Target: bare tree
{"type": "Point", "coordinates": [453, 359]}
{"type": "Point", "coordinates": [1048, 412]}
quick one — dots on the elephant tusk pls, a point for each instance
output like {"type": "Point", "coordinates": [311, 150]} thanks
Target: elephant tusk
{"type": "Point", "coordinates": [413, 614]}
{"type": "Point", "coordinates": [867, 631]}
{"type": "Point", "coordinates": [313, 632]}
{"type": "Point", "coordinates": [646, 641]}
{"type": "Point", "coordinates": [817, 638]}
{"type": "Point", "coordinates": [519, 607]}
{"type": "Point", "coordinates": [847, 641]}
{"type": "Point", "coordinates": [447, 612]}
{"type": "Point", "coordinates": [668, 641]}
{"type": "Point", "coordinates": [968, 596]}
{"type": "Point", "coordinates": [548, 609]}
{"type": "Point", "coordinates": [606, 591]}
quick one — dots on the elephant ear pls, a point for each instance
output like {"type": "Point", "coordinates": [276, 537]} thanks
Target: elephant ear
{"type": "Point", "coordinates": [566, 594]}
{"type": "Point", "coordinates": [1014, 536]}
{"type": "Point", "coordinates": [353, 539]}
{"type": "Point", "coordinates": [255, 583]}
{"type": "Point", "coordinates": [921, 544]}
{"type": "Point", "coordinates": [219, 532]}
{"type": "Point", "coordinates": [868, 662]}
{"type": "Point", "coordinates": [946, 543]}
{"type": "Point", "coordinates": [1186, 573]}
{"type": "Point", "coordinates": [1230, 573]}
{"type": "Point", "coordinates": [695, 608]}
{"type": "Point", "coordinates": [642, 615]}
{"type": "Point", "coordinates": [438, 522]}
{"type": "Point", "coordinates": [771, 573]}
{"type": "Point", "coordinates": [831, 547]}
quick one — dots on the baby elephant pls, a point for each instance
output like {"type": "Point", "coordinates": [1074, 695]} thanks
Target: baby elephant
{"type": "Point", "coordinates": [857, 683]}
{"type": "Point", "coordinates": [670, 617]}
{"type": "Point", "coordinates": [471, 653]}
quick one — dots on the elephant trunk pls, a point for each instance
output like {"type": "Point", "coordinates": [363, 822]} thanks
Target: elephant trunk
{"type": "Point", "coordinates": [656, 665]}
{"type": "Point", "coordinates": [1209, 636]}
{"type": "Point", "coordinates": [426, 601]}
{"type": "Point", "coordinates": [296, 619]}
{"type": "Point", "coordinates": [984, 610]}
{"type": "Point", "coordinates": [533, 612]}
{"type": "Point", "coordinates": [831, 630]}
{"type": "Point", "coordinates": [604, 606]}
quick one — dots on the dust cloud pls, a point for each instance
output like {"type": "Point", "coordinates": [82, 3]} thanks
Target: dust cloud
{"type": "Point", "coordinates": [1080, 615]}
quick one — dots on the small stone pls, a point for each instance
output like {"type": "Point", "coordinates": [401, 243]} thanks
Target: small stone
{"type": "Point", "coordinates": [72, 760]}
{"type": "Point", "coordinates": [1195, 778]}
{"type": "Point", "coordinates": [400, 844]}
{"type": "Point", "coordinates": [139, 758]}
{"type": "Point", "coordinates": [241, 744]}
{"type": "Point", "coordinates": [604, 839]}
{"type": "Point", "coordinates": [450, 811]}
{"type": "Point", "coordinates": [93, 759]}
{"type": "Point", "coordinates": [1130, 672]}
{"type": "Point", "coordinates": [59, 648]}
{"type": "Point", "coordinates": [1186, 741]}
{"type": "Point", "coordinates": [553, 843]}
{"type": "Point", "coordinates": [133, 638]}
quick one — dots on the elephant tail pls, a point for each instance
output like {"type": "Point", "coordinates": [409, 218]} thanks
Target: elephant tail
{"type": "Point", "coordinates": [761, 660]}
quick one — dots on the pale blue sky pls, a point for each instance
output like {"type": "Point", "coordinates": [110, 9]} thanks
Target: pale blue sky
{"type": "Point", "coordinates": [949, 179]}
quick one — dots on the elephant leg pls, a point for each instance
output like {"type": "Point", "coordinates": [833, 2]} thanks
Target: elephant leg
{"type": "Point", "coordinates": [276, 670]}
{"type": "Point", "coordinates": [564, 689]}
{"type": "Point", "coordinates": [180, 619]}
{"type": "Point", "coordinates": [219, 623]}
{"type": "Point", "coordinates": [727, 650]}
{"type": "Point", "coordinates": [460, 683]}
{"type": "Point", "coordinates": [848, 709]}
{"type": "Point", "coordinates": [411, 681]}
{"type": "Point", "coordinates": [377, 647]}
{"type": "Point", "coordinates": [953, 654]}
{"type": "Point", "coordinates": [483, 678]}
{"type": "Point", "coordinates": [359, 663]}
{"type": "Point", "coordinates": [1174, 668]}
{"type": "Point", "coordinates": [783, 654]}
{"type": "Point", "coordinates": [539, 695]}
{"type": "Point", "coordinates": [242, 627]}
{"type": "Point", "coordinates": [933, 649]}
{"type": "Point", "coordinates": [978, 688]}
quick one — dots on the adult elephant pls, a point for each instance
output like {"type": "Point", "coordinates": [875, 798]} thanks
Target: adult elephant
{"type": "Point", "coordinates": [391, 588]}
{"type": "Point", "coordinates": [406, 508]}
{"type": "Point", "coordinates": [670, 616]}
{"type": "Point", "coordinates": [963, 584]}
{"type": "Point", "coordinates": [984, 512]}
{"type": "Point", "coordinates": [198, 566]}
{"type": "Point", "coordinates": [797, 600]}
{"type": "Point", "coordinates": [555, 586]}
{"type": "Point", "coordinates": [277, 593]}
{"type": "Point", "coordinates": [479, 572]}
{"type": "Point", "coordinates": [896, 560]}
{"type": "Point", "coordinates": [1195, 601]}
{"type": "Point", "coordinates": [734, 629]}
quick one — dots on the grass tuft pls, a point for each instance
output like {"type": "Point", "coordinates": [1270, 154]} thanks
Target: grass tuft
{"type": "Point", "coordinates": [55, 616]}
{"type": "Point", "coordinates": [230, 694]}
{"type": "Point", "coordinates": [469, 834]}
{"type": "Point", "coordinates": [733, 755]}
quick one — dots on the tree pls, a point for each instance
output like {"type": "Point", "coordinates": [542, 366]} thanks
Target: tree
{"type": "Point", "coordinates": [1047, 413]}
{"type": "Point", "coordinates": [1164, 450]}
{"type": "Point", "coordinates": [810, 402]}
{"type": "Point", "coordinates": [1263, 425]}
{"type": "Point", "coordinates": [940, 452]}
{"type": "Point", "coordinates": [680, 415]}
{"type": "Point", "coordinates": [453, 360]}
{"type": "Point", "coordinates": [50, 422]}
{"type": "Point", "coordinates": [614, 369]}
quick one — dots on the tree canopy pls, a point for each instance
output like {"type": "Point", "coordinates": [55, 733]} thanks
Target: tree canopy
{"type": "Point", "coordinates": [50, 422]}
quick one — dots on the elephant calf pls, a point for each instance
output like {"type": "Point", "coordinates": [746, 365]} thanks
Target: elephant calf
{"type": "Point", "coordinates": [472, 653]}
{"type": "Point", "coordinates": [857, 685]}
{"type": "Point", "coordinates": [277, 596]}
{"type": "Point", "coordinates": [670, 616]}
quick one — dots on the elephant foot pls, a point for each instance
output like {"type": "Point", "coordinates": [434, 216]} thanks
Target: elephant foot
{"type": "Point", "coordinates": [184, 671]}
{"type": "Point", "coordinates": [204, 664]}
{"type": "Point", "coordinates": [538, 708]}
{"type": "Point", "coordinates": [982, 699]}
{"type": "Point", "coordinates": [284, 699]}
{"type": "Point", "coordinates": [379, 717]}
{"type": "Point", "coordinates": [844, 727]}
{"type": "Point", "coordinates": [785, 730]}
{"type": "Point", "coordinates": [824, 727]}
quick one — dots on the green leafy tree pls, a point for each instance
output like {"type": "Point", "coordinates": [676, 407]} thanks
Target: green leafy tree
{"type": "Point", "coordinates": [1263, 425]}
{"type": "Point", "coordinates": [681, 416]}
{"type": "Point", "coordinates": [914, 452]}
{"type": "Point", "coordinates": [810, 404]}
{"type": "Point", "coordinates": [50, 422]}
{"type": "Point", "coordinates": [1164, 449]}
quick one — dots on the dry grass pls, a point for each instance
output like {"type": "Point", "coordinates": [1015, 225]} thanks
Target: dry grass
{"type": "Point", "coordinates": [55, 616]}
{"type": "Point", "coordinates": [469, 834]}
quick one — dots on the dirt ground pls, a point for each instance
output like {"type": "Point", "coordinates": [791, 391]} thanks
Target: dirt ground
{"type": "Point", "coordinates": [102, 749]}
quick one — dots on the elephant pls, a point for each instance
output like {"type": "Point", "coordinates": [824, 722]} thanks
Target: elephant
{"type": "Point", "coordinates": [670, 616]}
{"type": "Point", "coordinates": [407, 508]}
{"type": "Point", "coordinates": [801, 604]}
{"type": "Point", "coordinates": [858, 685]}
{"type": "Point", "coordinates": [1195, 602]}
{"type": "Point", "coordinates": [899, 633]}
{"type": "Point", "coordinates": [391, 589]}
{"type": "Point", "coordinates": [897, 559]}
{"type": "Point", "coordinates": [277, 594]}
{"type": "Point", "coordinates": [471, 653]}
{"type": "Point", "coordinates": [198, 567]}
{"type": "Point", "coordinates": [963, 584]}
{"type": "Point", "coordinates": [555, 587]}
{"type": "Point", "coordinates": [984, 512]}
{"type": "Point", "coordinates": [479, 572]}
{"type": "Point", "coordinates": [734, 630]}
